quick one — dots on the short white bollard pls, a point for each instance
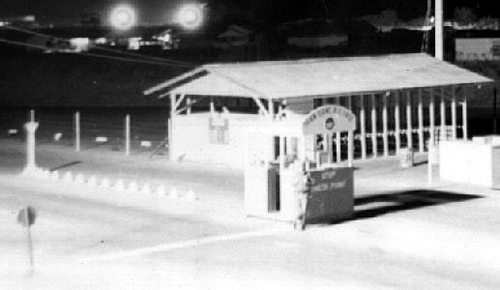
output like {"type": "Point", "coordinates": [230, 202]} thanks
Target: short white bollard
{"type": "Point", "coordinates": [174, 193]}
{"type": "Point", "coordinates": [54, 175]}
{"type": "Point", "coordinates": [92, 182]}
{"type": "Point", "coordinates": [161, 191]}
{"type": "Point", "coordinates": [146, 189]}
{"type": "Point", "coordinates": [119, 186]}
{"type": "Point", "coordinates": [105, 183]}
{"type": "Point", "coordinates": [68, 177]}
{"type": "Point", "coordinates": [132, 187]}
{"type": "Point", "coordinates": [190, 195]}
{"type": "Point", "coordinates": [79, 179]}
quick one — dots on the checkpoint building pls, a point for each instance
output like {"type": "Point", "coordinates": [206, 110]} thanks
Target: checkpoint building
{"type": "Point", "coordinates": [399, 100]}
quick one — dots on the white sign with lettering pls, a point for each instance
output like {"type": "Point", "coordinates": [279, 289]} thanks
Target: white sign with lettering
{"type": "Point", "coordinates": [329, 119]}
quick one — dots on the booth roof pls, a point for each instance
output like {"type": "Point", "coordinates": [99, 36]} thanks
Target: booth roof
{"type": "Point", "coordinates": [319, 77]}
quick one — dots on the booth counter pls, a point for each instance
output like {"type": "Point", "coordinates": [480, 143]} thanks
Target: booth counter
{"type": "Point", "coordinates": [476, 162]}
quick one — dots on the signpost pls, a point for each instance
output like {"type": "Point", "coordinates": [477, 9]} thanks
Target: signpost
{"type": "Point", "coordinates": [26, 217]}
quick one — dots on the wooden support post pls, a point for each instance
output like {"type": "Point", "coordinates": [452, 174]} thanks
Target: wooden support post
{"type": "Point", "coordinates": [171, 143]}
{"type": "Point", "coordinates": [442, 113]}
{"type": "Point", "coordinates": [338, 143]}
{"type": "Point", "coordinates": [453, 115]}
{"type": "Point", "coordinates": [385, 124]}
{"type": "Point", "coordinates": [374, 126]}
{"type": "Point", "coordinates": [188, 105]}
{"type": "Point", "coordinates": [270, 105]}
{"type": "Point", "coordinates": [432, 122]}
{"type": "Point", "coordinates": [329, 149]}
{"type": "Point", "coordinates": [282, 152]}
{"type": "Point", "coordinates": [397, 121]}
{"type": "Point", "coordinates": [77, 131]}
{"type": "Point", "coordinates": [464, 115]}
{"type": "Point", "coordinates": [327, 141]}
{"type": "Point", "coordinates": [127, 135]}
{"type": "Point", "coordinates": [212, 106]}
{"type": "Point", "coordinates": [409, 127]}
{"type": "Point", "coordinates": [350, 148]}
{"type": "Point", "coordinates": [420, 122]}
{"type": "Point", "coordinates": [350, 137]}
{"type": "Point", "coordinates": [362, 124]}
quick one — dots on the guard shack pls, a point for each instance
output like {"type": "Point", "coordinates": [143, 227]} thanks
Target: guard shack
{"type": "Point", "coordinates": [276, 152]}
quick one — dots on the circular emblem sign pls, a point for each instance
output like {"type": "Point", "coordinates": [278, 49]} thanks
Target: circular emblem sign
{"type": "Point", "coordinates": [329, 123]}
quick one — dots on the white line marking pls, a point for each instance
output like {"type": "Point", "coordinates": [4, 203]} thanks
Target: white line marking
{"type": "Point", "coordinates": [185, 244]}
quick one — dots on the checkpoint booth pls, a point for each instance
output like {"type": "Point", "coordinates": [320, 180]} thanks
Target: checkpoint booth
{"type": "Point", "coordinates": [278, 151]}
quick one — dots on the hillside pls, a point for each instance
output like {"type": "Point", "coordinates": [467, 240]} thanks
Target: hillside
{"type": "Point", "coordinates": [78, 80]}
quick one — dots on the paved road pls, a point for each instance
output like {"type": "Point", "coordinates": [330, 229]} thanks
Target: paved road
{"type": "Point", "coordinates": [88, 238]}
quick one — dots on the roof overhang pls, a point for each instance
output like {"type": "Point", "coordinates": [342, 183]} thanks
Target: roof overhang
{"type": "Point", "coordinates": [319, 77]}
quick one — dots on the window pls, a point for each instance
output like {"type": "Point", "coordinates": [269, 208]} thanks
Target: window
{"type": "Point", "coordinates": [219, 130]}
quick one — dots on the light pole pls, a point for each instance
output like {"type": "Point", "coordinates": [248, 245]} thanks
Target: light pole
{"type": "Point", "coordinates": [438, 29]}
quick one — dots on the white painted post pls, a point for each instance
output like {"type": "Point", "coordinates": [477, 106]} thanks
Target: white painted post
{"type": "Point", "coordinates": [282, 153]}
{"type": "Point", "coordinates": [31, 168]}
{"type": "Point", "coordinates": [374, 126]}
{"type": "Point", "coordinates": [464, 116]}
{"type": "Point", "coordinates": [442, 115]}
{"type": "Point", "coordinates": [362, 123]}
{"type": "Point", "coordinates": [454, 115]}
{"type": "Point", "coordinates": [212, 106]}
{"type": "Point", "coordinates": [337, 138]}
{"type": "Point", "coordinates": [32, 116]}
{"type": "Point", "coordinates": [432, 125]}
{"type": "Point", "coordinates": [409, 127]}
{"type": "Point", "coordinates": [350, 137]}
{"type": "Point", "coordinates": [329, 149]}
{"type": "Point", "coordinates": [350, 148]}
{"type": "Point", "coordinates": [171, 146]}
{"type": "Point", "coordinates": [397, 121]}
{"type": "Point", "coordinates": [420, 122]}
{"type": "Point", "coordinates": [385, 125]}
{"type": "Point", "coordinates": [77, 131]}
{"type": "Point", "coordinates": [127, 135]}
{"type": "Point", "coordinates": [438, 21]}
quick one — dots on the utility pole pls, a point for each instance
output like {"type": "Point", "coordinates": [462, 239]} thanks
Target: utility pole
{"type": "Point", "coordinates": [438, 27]}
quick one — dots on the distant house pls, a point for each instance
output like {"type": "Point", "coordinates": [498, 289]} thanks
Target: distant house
{"type": "Point", "coordinates": [143, 37]}
{"type": "Point", "coordinates": [316, 34]}
{"type": "Point", "coordinates": [234, 36]}
{"type": "Point", "coordinates": [64, 39]}
{"type": "Point", "coordinates": [83, 38]}
{"type": "Point", "coordinates": [25, 21]}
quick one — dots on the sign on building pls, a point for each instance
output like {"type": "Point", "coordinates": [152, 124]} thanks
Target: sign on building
{"type": "Point", "coordinates": [329, 119]}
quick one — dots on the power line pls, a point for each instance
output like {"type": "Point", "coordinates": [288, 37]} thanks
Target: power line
{"type": "Point", "coordinates": [19, 43]}
{"type": "Point", "coordinates": [151, 58]}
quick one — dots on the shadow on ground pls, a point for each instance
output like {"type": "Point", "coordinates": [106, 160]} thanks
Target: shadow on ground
{"type": "Point", "coordinates": [380, 204]}
{"type": "Point", "coordinates": [65, 165]}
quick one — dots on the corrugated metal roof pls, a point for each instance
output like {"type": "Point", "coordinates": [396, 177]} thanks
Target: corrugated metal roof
{"type": "Point", "coordinates": [322, 77]}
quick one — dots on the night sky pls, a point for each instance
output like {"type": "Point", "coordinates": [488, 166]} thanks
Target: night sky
{"type": "Point", "coordinates": [160, 11]}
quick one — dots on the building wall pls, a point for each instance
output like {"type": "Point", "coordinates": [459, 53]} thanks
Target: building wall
{"type": "Point", "coordinates": [194, 138]}
{"type": "Point", "coordinates": [477, 49]}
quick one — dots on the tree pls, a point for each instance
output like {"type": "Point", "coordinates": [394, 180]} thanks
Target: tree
{"type": "Point", "coordinates": [464, 15]}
